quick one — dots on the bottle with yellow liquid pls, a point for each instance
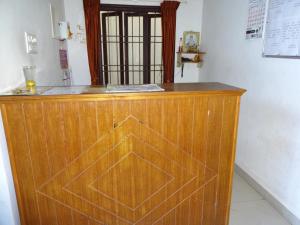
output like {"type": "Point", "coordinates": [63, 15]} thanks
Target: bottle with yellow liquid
{"type": "Point", "coordinates": [30, 84]}
{"type": "Point", "coordinates": [29, 73]}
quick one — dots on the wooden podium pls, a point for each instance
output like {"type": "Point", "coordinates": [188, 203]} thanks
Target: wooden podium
{"type": "Point", "coordinates": [121, 159]}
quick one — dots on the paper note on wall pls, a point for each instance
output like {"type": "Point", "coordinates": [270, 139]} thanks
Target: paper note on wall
{"type": "Point", "coordinates": [256, 18]}
{"type": "Point", "coordinates": [282, 36]}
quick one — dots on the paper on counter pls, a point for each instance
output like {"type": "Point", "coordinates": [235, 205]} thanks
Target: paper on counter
{"type": "Point", "coordinates": [134, 88]}
{"type": "Point", "coordinates": [65, 90]}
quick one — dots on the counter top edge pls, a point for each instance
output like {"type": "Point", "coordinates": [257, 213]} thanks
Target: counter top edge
{"type": "Point", "coordinates": [212, 88]}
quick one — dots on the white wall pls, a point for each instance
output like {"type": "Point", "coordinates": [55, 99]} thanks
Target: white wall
{"type": "Point", "coordinates": [189, 17]}
{"type": "Point", "coordinates": [269, 134]}
{"type": "Point", "coordinates": [18, 16]}
{"type": "Point", "coordinates": [78, 60]}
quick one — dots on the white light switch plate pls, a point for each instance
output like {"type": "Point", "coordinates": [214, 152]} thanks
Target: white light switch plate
{"type": "Point", "coordinates": [31, 43]}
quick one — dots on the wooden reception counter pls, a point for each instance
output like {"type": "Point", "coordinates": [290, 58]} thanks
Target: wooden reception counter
{"type": "Point", "coordinates": [163, 158]}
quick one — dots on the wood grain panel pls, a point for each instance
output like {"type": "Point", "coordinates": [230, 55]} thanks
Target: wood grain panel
{"type": "Point", "coordinates": [121, 110]}
{"type": "Point", "coordinates": [226, 164]}
{"type": "Point", "coordinates": [79, 219]}
{"type": "Point", "coordinates": [88, 124]}
{"type": "Point", "coordinates": [196, 208]}
{"type": "Point", "coordinates": [139, 110]}
{"type": "Point", "coordinates": [34, 122]}
{"type": "Point", "coordinates": [104, 117]}
{"type": "Point", "coordinates": [20, 158]}
{"type": "Point", "coordinates": [214, 129]}
{"type": "Point", "coordinates": [209, 203]}
{"type": "Point", "coordinates": [200, 134]}
{"type": "Point", "coordinates": [168, 219]}
{"type": "Point", "coordinates": [72, 130]}
{"type": "Point", "coordinates": [147, 161]}
{"type": "Point", "coordinates": [170, 119]}
{"type": "Point", "coordinates": [39, 153]}
{"type": "Point", "coordinates": [182, 212]}
{"type": "Point", "coordinates": [154, 114]}
{"type": "Point", "coordinates": [54, 124]}
{"type": "Point", "coordinates": [48, 211]}
{"type": "Point", "coordinates": [186, 123]}
{"type": "Point", "coordinates": [64, 217]}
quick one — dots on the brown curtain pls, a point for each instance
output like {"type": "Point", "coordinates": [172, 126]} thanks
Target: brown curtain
{"type": "Point", "coordinates": [92, 24]}
{"type": "Point", "coordinates": [168, 12]}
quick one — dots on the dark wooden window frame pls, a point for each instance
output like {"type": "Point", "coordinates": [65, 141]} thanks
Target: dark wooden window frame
{"type": "Point", "coordinates": [105, 59]}
{"type": "Point", "coordinates": [128, 10]}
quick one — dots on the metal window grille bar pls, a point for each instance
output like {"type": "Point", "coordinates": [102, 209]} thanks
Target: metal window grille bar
{"type": "Point", "coordinates": [130, 46]}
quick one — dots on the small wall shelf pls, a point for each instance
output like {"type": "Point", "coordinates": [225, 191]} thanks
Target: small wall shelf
{"type": "Point", "coordinates": [188, 57]}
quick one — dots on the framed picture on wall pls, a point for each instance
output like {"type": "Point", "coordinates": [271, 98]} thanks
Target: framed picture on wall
{"type": "Point", "coordinates": [191, 41]}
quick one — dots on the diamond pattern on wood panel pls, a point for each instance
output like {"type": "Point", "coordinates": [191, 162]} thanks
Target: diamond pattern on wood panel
{"type": "Point", "coordinates": [134, 172]}
{"type": "Point", "coordinates": [131, 175]}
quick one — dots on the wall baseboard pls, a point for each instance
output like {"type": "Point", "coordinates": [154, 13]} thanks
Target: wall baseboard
{"type": "Point", "coordinates": [286, 213]}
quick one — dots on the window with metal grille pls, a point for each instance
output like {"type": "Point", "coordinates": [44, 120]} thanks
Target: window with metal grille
{"type": "Point", "coordinates": [131, 39]}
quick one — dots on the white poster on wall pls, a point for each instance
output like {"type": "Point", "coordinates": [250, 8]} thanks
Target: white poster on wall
{"type": "Point", "coordinates": [282, 35]}
{"type": "Point", "coordinates": [256, 18]}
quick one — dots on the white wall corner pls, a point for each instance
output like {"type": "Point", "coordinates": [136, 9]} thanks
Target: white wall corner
{"type": "Point", "coordinates": [281, 208]}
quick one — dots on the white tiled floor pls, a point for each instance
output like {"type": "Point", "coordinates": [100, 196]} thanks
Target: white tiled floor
{"type": "Point", "coordinates": [249, 208]}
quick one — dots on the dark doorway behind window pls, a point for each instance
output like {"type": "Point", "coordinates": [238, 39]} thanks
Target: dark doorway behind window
{"type": "Point", "coordinates": [131, 38]}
